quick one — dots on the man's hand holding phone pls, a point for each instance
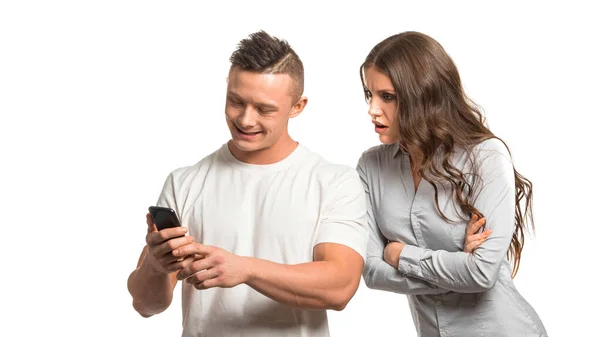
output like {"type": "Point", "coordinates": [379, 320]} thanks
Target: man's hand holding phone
{"type": "Point", "coordinates": [162, 243]}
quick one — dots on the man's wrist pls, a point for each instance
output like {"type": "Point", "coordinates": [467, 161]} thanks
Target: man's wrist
{"type": "Point", "coordinates": [248, 269]}
{"type": "Point", "coordinates": [149, 268]}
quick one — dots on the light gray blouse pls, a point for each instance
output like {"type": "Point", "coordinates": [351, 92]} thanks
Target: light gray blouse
{"type": "Point", "coordinates": [450, 292]}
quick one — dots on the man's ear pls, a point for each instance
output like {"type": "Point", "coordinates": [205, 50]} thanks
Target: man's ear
{"type": "Point", "coordinates": [298, 107]}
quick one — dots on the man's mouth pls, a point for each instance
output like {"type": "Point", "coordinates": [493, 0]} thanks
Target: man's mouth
{"type": "Point", "coordinates": [248, 133]}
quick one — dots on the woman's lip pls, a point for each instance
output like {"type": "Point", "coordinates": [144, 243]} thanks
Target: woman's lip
{"type": "Point", "coordinates": [380, 129]}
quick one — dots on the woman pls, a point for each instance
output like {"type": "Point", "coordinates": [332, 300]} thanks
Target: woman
{"type": "Point", "coordinates": [438, 170]}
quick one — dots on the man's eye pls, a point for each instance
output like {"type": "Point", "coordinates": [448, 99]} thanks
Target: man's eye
{"type": "Point", "coordinates": [235, 102]}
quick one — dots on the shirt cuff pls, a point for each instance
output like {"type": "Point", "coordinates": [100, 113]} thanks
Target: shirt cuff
{"type": "Point", "coordinates": [409, 261]}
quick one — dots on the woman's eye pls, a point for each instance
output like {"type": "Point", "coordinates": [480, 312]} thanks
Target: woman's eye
{"type": "Point", "coordinates": [388, 97]}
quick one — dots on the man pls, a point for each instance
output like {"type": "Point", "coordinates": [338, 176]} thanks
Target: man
{"type": "Point", "coordinates": [276, 235]}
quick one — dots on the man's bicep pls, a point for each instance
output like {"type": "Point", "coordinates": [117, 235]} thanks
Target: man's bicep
{"type": "Point", "coordinates": [346, 259]}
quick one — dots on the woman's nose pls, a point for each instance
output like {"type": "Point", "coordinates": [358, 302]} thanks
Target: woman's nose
{"type": "Point", "coordinates": [375, 111]}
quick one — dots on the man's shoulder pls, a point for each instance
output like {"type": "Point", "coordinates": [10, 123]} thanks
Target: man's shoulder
{"type": "Point", "coordinates": [203, 164]}
{"type": "Point", "coordinates": [326, 170]}
{"type": "Point", "coordinates": [319, 161]}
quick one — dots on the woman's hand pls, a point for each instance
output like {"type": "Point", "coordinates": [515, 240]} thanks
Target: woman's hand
{"type": "Point", "coordinates": [472, 239]}
{"type": "Point", "coordinates": [391, 253]}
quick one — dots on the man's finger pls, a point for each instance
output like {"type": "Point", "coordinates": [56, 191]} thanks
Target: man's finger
{"type": "Point", "coordinates": [176, 266]}
{"type": "Point", "coordinates": [166, 234]}
{"type": "Point", "coordinates": [172, 244]}
{"type": "Point", "coordinates": [150, 223]}
{"type": "Point", "coordinates": [210, 283]}
{"type": "Point", "coordinates": [202, 276]}
{"type": "Point", "coordinates": [193, 268]}
{"type": "Point", "coordinates": [193, 248]}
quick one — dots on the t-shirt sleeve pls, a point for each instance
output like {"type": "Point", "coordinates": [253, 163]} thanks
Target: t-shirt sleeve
{"type": "Point", "coordinates": [167, 195]}
{"type": "Point", "coordinates": [344, 216]}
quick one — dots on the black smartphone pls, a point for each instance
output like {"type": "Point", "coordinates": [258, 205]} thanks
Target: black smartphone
{"type": "Point", "coordinates": [164, 217]}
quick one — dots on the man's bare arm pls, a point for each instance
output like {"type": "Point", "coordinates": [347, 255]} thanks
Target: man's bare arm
{"type": "Point", "coordinates": [152, 283]}
{"type": "Point", "coordinates": [329, 282]}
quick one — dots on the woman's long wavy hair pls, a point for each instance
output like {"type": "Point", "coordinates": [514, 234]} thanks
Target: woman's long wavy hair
{"type": "Point", "coordinates": [436, 117]}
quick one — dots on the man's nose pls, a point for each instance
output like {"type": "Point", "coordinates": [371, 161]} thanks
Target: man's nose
{"type": "Point", "coordinates": [248, 118]}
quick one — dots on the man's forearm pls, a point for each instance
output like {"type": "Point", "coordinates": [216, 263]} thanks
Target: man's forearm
{"type": "Point", "coordinates": [313, 285]}
{"type": "Point", "coordinates": [151, 290]}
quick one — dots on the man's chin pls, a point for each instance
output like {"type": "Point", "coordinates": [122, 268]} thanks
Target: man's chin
{"type": "Point", "coordinates": [245, 145]}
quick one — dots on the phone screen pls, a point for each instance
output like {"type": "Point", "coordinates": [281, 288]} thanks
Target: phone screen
{"type": "Point", "coordinates": [164, 217]}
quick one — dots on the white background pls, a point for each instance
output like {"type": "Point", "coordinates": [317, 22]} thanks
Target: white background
{"type": "Point", "coordinates": [100, 100]}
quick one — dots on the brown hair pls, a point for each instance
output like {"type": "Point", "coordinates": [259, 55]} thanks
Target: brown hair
{"type": "Point", "coordinates": [263, 53]}
{"type": "Point", "coordinates": [436, 117]}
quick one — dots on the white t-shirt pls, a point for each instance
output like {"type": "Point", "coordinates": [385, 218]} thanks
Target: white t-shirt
{"type": "Point", "coordinates": [277, 212]}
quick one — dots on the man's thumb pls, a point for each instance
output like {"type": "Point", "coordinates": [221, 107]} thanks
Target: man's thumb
{"type": "Point", "coordinates": [150, 223]}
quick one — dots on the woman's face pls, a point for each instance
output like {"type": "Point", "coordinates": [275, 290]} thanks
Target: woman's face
{"type": "Point", "coordinates": [383, 104]}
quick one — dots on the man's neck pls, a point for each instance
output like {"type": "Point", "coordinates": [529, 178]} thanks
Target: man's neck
{"type": "Point", "coordinates": [276, 153]}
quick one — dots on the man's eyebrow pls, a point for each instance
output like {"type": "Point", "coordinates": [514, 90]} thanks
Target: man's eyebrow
{"type": "Point", "coordinates": [231, 93]}
{"type": "Point", "coordinates": [267, 106]}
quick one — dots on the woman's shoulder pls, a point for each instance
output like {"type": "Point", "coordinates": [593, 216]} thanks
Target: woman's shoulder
{"type": "Point", "coordinates": [376, 153]}
{"type": "Point", "coordinates": [491, 147]}
{"type": "Point", "coordinates": [492, 154]}
{"type": "Point", "coordinates": [381, 150]}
